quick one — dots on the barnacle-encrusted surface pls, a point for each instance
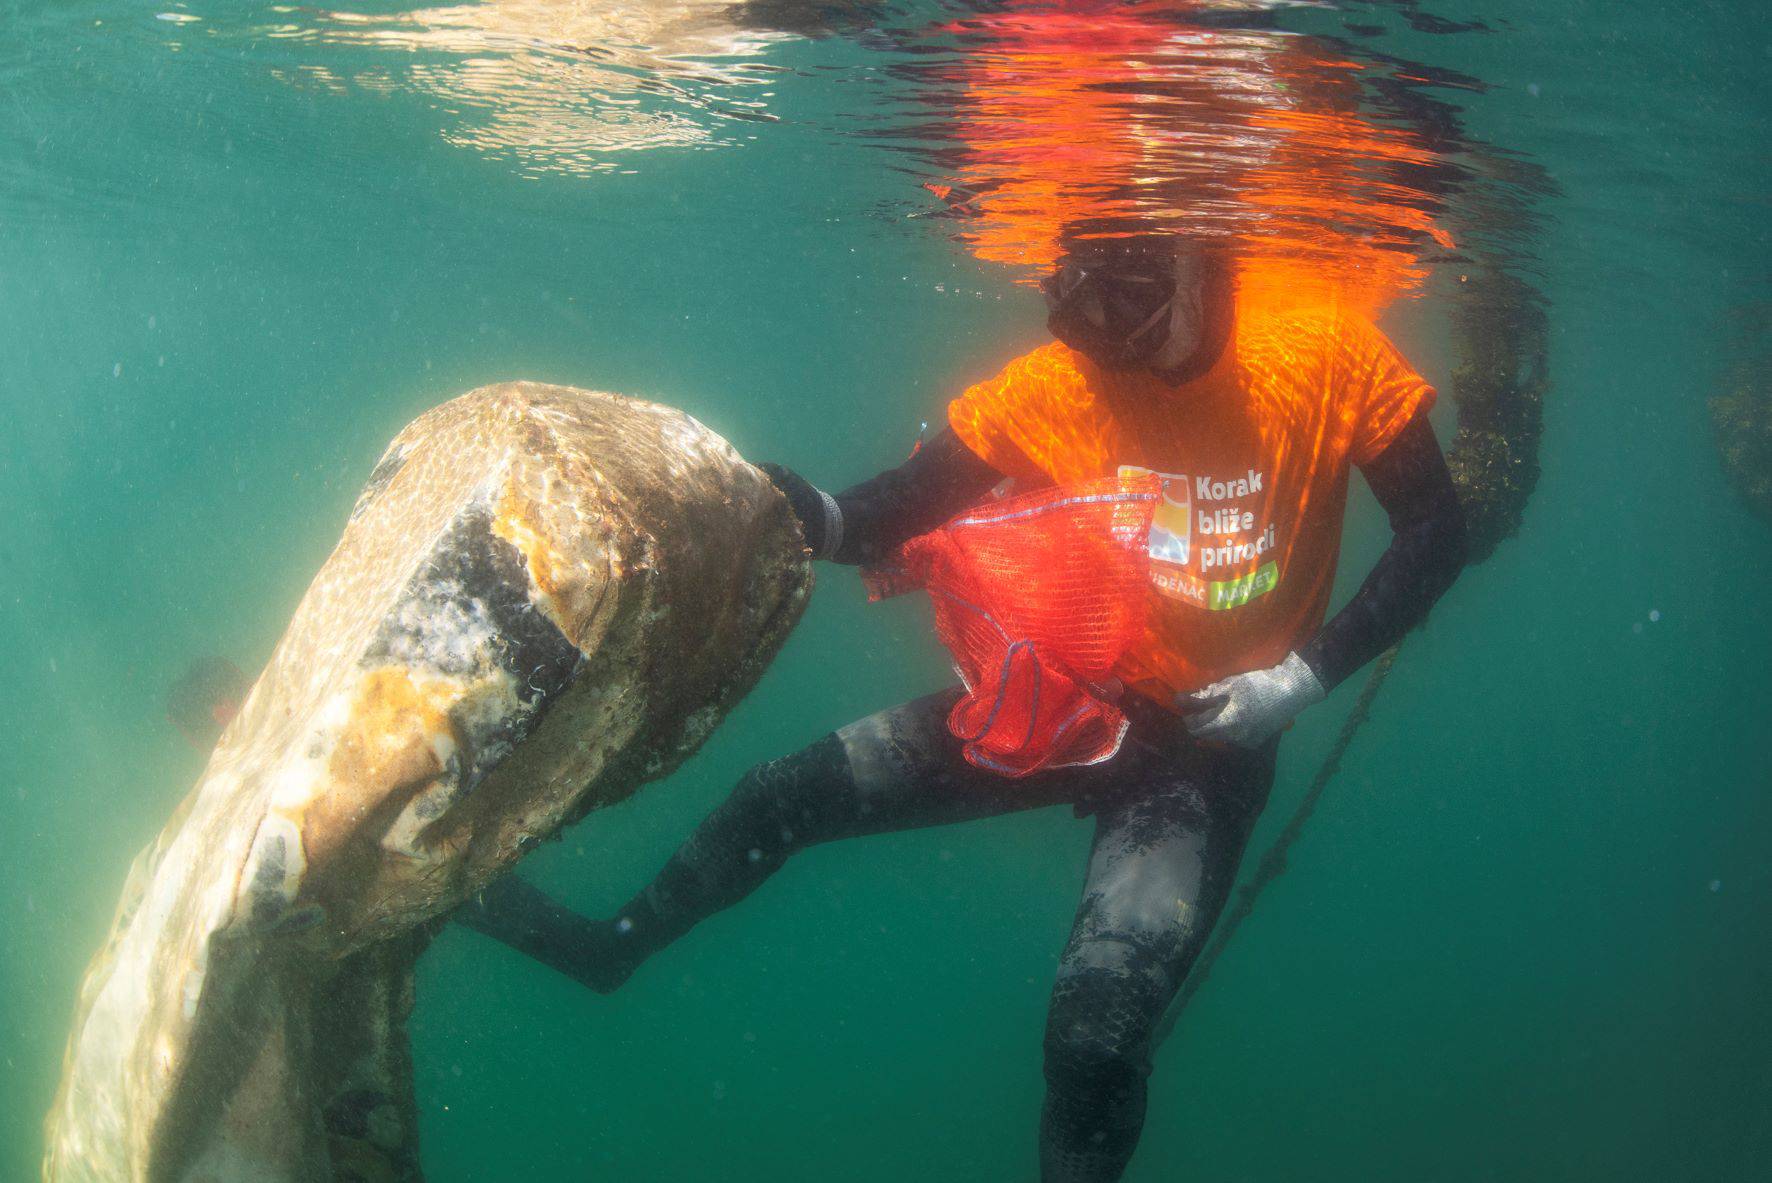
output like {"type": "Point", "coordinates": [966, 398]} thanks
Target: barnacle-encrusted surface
{"type": "Point", "coordinates": [1741, 416]}
{"type": "Point", "coordinates": [1501, 336]}
{"type": "Point", "coordinates": [544, 598]}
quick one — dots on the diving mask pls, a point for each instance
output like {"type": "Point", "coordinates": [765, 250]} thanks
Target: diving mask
{"type": "Point", "coordinates": [1115, 316]}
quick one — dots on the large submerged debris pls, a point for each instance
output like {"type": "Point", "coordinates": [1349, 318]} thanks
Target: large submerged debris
{"type": "Point", "coordinates": [544, 598]}
{"type": "Point", "coordinates": [1741, 416]}
{"type": "Point", "coordinates": [1502, 338]}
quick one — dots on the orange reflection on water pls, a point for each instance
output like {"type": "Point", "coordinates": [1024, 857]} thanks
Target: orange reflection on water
{"type": "Point", "coordinates": [1095, 119]}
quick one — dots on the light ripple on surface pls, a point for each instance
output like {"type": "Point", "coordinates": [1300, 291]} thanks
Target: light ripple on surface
{"type": "Point", "coordinates": [556, 87]}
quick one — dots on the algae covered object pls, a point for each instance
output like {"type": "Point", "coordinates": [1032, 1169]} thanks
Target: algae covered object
{"type": "Point", "coordinates": [544, 597]}
{"type": "Point", "coordinates": [1741, 416]}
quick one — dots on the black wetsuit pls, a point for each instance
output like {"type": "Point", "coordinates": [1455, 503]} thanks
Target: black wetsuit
{"type": "Point", "coordinates": [1172, 815]}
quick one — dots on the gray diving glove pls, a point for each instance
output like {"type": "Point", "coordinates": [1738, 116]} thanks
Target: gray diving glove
{"type": "Point", "coordinates": [1249, 709]}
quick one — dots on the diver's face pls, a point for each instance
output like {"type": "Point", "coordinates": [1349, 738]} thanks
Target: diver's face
{"type": "Point", "coordinates": [1116, 312]}
{"type": "Point", "coordinates": [1149, 314]}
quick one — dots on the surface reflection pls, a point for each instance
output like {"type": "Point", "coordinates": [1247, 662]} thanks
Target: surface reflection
{"type": "Point", "coordinates": [1326, 164]}
{"type": "Point", "coordinates": [555, 86]}
{"type": "Point", "coordinates": [1335, 167]}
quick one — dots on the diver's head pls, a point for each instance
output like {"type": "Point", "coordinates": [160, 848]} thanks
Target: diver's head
{"type": "Point", "coordinates": [1157, 304]}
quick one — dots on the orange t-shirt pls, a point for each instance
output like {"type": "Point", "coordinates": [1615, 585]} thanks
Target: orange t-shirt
{"type": "Point", "coordinates": [1254, 458]}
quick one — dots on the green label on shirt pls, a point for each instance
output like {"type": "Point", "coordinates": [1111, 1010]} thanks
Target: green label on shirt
{"type": "Point", "coordinates": [1234, 593]}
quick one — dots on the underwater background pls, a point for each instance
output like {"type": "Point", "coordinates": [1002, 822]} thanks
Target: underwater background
{"type": "Point", "coordinates": [1525, 935]}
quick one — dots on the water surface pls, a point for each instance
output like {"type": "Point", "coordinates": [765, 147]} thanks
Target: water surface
{"type": "Point", "coordinates": [1524, 935]}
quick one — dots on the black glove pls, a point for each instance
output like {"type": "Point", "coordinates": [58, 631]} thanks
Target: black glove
{"type": "Point", "coordinates": [820, 519]}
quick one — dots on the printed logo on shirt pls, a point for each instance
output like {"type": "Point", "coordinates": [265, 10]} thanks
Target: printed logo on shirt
{"type": "Point", "coordinates": [1172, 523]}
{"type": "Point", "coordinates": [1215, 512]}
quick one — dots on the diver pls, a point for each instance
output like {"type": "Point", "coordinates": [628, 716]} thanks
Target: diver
{"type": "Point", "coordinates": [1251, 418]}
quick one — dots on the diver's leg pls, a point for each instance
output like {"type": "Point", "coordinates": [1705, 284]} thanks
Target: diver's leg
{"type": "Point", "coordinates": [514, 912]}
{"type": "Point", "coordinates": [1164, 859]}
{"type": "Point", "coordinates": [897, 770]}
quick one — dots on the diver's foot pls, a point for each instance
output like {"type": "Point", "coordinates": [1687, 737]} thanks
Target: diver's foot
{"type": "Point", "coordinates": [598, 954]}
{"type": "Point", "coordinates": [602, 958]}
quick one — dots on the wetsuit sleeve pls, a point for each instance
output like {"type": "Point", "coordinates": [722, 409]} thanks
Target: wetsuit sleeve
{"type": "Point", "coordinates": [940, 479]}
{"type": "Point", "coordinates": [1428, 546]}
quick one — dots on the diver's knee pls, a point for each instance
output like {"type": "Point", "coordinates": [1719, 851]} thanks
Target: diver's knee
{"type": "Point", "coordinates": [793, 802]}
{"type": "Point", "coordinates": [1088, 1054]}
{"type": "Point", "coordinates": [1099, 1030]}
{"type": "Point", "coordinates": [1093, 1059]}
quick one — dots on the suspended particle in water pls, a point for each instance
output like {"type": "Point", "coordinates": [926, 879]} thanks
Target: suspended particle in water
{"type": "Point", "coordinates": [1655, 616]}
{"type": "Point", "coordinates": [755, 855]}
{"type": "Point", "coordinates": [117, 370]}
{"type": "Point", "coordinates": [624, 926]}
{"type": "Point", "coordinates": [1716, 885]}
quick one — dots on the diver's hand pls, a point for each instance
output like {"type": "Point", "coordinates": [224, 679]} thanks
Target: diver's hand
{"type": "Point", "coordinates": [1248, 709]}
{"type": "Point", "coordinates": [820, 519]}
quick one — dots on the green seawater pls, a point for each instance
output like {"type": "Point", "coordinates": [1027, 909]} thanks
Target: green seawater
{"type": "Point", "coordinates": [1525, 936]}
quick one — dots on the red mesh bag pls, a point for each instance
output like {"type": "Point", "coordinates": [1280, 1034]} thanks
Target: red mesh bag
{"type": "Point", "coordinates": [1037, 597]}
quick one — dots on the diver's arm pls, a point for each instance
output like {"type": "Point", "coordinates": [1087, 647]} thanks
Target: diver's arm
{"type": "Point", "coordinates": [1427, 551]}
{"type": "Point", "coordinates": [865, 523]}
